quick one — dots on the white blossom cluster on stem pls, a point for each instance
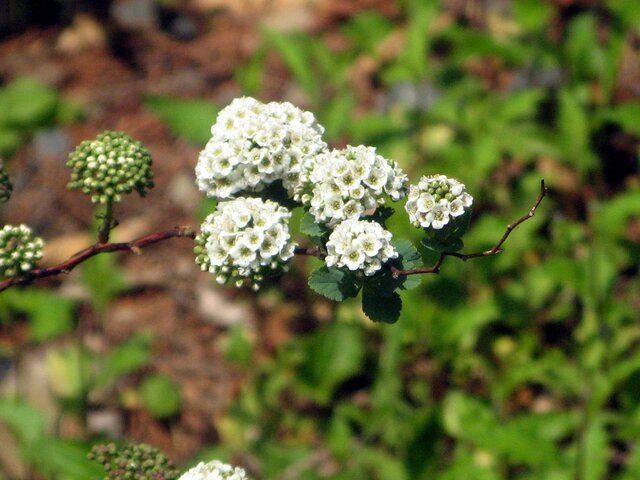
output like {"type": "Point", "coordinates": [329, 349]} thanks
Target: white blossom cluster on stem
{"type": "Point", "coordinates": [343, 184]}
{"type": "Point", "coordinates": [253, 144]}
{"type": "Point", "coordinates": [435, 200]}
{"type": "Point", "coordinates": [359, 245]}
{"type": "Point", "coordinates": [244, 239]}
{"type": "Point", "coordinates": [19, 250]}
{"type": "Point", "coordinates": [215, 470]}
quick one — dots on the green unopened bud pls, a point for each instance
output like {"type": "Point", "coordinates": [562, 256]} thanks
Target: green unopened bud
{"type": "Point", "coordinates": [6, 187]}
{"type": "Point", "coordinates": [19, 250]}
{"type": "Point", "coordinates": [135, 462]}
{"type": "Point", "coordinates": [111, 165]}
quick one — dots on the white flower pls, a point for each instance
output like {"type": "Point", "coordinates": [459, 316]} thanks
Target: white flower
{"type": "Point", "coordinates": [214, 470]}
{"type": "Point", "coordinates": [244, 239]}
{"type": "Point", "coordinates": [359, 245]}
{"type": "Point", "coordinates": [253, 144]}
{"type": "Point", "coordinates": [436, 199]}
{"type": "Point", "coordinates": [345, 183]}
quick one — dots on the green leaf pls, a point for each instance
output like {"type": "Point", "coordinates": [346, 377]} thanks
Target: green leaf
{"type": "Point", "coordinates": [26, 422]}
{"type": "Point", "coordinates": [309, 226]}
{"type": "Point", "coordinates": [383, 282]}
{"type": "Point", "coordinates": [294, 51]}
{"type": "Point", "coordinates": [448, 238]}
{"type": "Point", "coordinates": [440, 246]}
{"type": "Point", "coordinates": [64, 459]}
{"type": "Point", "coordinates": [103, 278]}
{"type": "Point", "coordinates": [160, 395]}
{"type": "Point", "coordinates": [334, 354]}
{"type": "Point", "coordinates": [381, 214]}
{"type": "Point", "coordinates": [409, 259]}
{"type": "Point", "coordinates": [625, 115]}
{"type": "Point", "coordinates": [597, 452]}
{"type": "Point", "coordinates": [27, 103]}
{"type": "Point", "coordinates": [334, 283]}
{"type": "Point", "coordinates": [191, 119]}
{"type": "Point", "coordinates": [336, 115]}
{"type": "Point", "coordinates": [49, 315]}
{"type": "Point", "coordinates": [10, 140]}
{"type": "Point", "coordinates": [379, 308]}
{"type": "Point", "coordinates": [532, 14]}
{"type": "Point", "coordinates": [68, 371]}
{"type": "Point", "coordinates": [126, 358]}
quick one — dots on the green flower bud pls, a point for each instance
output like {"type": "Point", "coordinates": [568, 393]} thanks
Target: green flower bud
{"type": "Point", "coordinates": [19, 250]}
{"type": "Point", "coordinates": [109, 166]}
{"type": "Point", "coordinates": [133, 462]}
{"type": "Point", "coordinates": [6, 187]}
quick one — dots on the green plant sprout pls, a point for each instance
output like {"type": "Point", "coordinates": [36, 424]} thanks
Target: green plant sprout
{"type": "Point", "coordinates": [261, 161]}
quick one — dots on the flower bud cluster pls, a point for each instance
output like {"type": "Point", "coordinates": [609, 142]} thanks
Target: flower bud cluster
{"type": "Point", "coordinates": [253, 144]}
{"type": "Point", "coordinates": [245, 239]}
{"type": "Point", "coordinates": [435, 200]}
{"type": "Point", "coordinates": [214, 470]}
{"type": "Point", "coordinates": [6, 187]}
{"type": "Point", "coordinates": [345, 183]}
{"type": "Point", "coordinates": [133, 462]}
{"type": "Point", "coordinates": [19, 250]}
{"type": "Point", "coordinates": [109, 166]}
{"type": "Point", "coordinates": [359, 245]}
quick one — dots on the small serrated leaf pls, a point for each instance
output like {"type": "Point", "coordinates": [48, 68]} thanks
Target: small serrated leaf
{"type": "Point", "coordinates": [409, 259]}
{"type": "Point", "coordinates": [443, 246]}
{"type": "Point", "coordinates": [333, 283]}
{"type": "Point", "coordinates": [379, 308]}
{"type": "Point", "coordinates": [310, 227]}
{"type": "Point", "coordinates": [381, 214]}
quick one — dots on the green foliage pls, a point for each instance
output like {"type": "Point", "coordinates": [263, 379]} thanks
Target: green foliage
{"type": "Point", "coordinates": [333, 283]}
{"type": "Point", "coordinates": [160, 395]}
{"type": "Point", "coordinates": [49, 315]}
{"type": "Point", "coordinates": [103, 279]}
{"type": "Point", "coordinates": [125, 358]}
{"type": "Point", "coordinates": [50, 456]}
{"type": "Point", "coordinates": [521, 366]}
{"type": "Point", "coordinates": [191, 119]}
{"type": "Point", "coordinates": [25, 105]}
{"type": "Point", "coordinates": [334, 354]}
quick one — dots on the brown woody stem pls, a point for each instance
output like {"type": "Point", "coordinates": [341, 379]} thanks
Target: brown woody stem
{"type": "Point", "coordinates": [65, 267]}
{"type": "Point", "coordinates": [495, 250]}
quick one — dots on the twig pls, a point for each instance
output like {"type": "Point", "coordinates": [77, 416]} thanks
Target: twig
{"type": "Point", "coordinates": [497, 248]}
{"type": "Point", "coordinates": [65, 267]}
{"type": "Point", "coordinates": [135, 246]}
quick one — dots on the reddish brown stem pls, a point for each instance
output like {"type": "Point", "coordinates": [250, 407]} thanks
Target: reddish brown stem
{"type": "Point", "coordinates": [495, 250]}
{"type": "Point", "coordinates": [65, 267]}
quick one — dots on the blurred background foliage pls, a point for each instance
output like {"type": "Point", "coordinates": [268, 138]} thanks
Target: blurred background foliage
{"type": "Point", "coordinates": [522, 366]}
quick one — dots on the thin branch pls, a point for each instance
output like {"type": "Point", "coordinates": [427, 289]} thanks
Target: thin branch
{"type": "Point", "coordinates": [133, 246]}
{"type": "Point", "coordinates": [497, 248]}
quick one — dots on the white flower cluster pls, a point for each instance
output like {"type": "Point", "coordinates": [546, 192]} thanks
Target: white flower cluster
{"type": "Point", "coordinates": [435, 200]}
{"type": "Point", "coordinates": [214, 470]}
{"type": "Point", "coordinates": [19, 250]}
{"type": "Point", "coordinates": [359, 245]}
{"type": "Point", "coordinates": [244, 239]}
{"type": "Point", "coordinates": [345, 183]}
{"type": "Point", "coordinates": [254, 144]}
